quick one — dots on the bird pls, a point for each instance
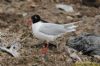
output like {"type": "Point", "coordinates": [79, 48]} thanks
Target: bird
{"type": "Point", "coordinates": [47, 31]}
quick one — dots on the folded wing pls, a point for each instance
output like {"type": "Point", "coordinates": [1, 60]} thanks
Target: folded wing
{"type": "Point", "coordinates": [56, 29]}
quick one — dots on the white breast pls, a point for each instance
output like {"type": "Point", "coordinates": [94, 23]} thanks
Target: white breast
{"type": "Point", "coordinates": [40, 35]}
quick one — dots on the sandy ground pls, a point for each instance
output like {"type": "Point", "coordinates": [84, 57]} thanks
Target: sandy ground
{"type": "Point", "coordinates": [14, 26]}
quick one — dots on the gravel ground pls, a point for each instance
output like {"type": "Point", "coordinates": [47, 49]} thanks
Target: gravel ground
{"type": "Point", "coordinates": [14, 27]}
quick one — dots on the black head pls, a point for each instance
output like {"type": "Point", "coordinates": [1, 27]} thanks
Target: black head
{"type": "Point", "coordinates": [35, 18]}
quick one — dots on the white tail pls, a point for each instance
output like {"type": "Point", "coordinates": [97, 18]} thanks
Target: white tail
{"type": "Point", "coordinates": [70, 27]}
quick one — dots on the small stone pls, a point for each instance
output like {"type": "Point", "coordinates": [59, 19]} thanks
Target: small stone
{"type": "Point", "coordinates": [25, 14]}
{"type": "Point", "coordinates": [1, 10]}
{"type": "Point", "coordinates": [97, 16]}
{"type": "Point", "coordinates": [69, 17]}
{"type": "Point", "coordinates": [29, 0]}
{"type": "Point", "coordinates": [33, 5]}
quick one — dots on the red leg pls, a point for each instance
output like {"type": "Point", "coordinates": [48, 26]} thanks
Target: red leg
{"type": "Point", "coordinates": [44, 49]}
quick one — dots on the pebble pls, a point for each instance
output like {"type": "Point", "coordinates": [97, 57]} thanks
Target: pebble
{"type": "Point", "coordinates": [69, 17]}
{"type": "Point", "coordinates": [24, 14]}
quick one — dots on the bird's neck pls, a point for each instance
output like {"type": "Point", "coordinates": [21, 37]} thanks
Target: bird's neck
{"type": "Point", "coordinates": [36, 26]}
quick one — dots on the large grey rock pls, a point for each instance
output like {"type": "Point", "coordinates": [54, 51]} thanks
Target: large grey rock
{"type": "Point", "coordinates": [87, 43]}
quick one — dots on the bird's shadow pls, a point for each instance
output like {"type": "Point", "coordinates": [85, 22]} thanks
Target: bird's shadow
{"type": "Point", "coordinates": [50, 46]}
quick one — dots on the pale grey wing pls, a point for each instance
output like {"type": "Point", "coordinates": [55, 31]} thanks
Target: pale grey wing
{"type": "Point", "coordinates": [52, 29]}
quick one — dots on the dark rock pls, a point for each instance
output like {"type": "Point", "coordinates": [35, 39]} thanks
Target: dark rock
{"type": "Point", "coordinates": [89, 44]}
{"type": "Point", "coordinates": [9, 1]}
{"type": "Point", "coordinates": [95, 3]}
